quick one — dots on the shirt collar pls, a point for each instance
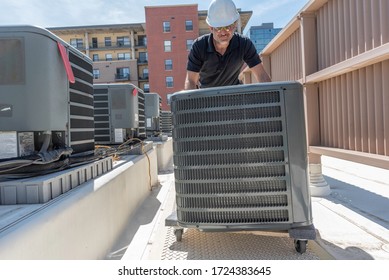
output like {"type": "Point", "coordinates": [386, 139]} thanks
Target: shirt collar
{"type": "Point", "coordinates": [234, 43]}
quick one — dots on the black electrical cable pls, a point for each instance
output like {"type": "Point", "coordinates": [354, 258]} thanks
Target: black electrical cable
{"type": "Point", "coordinates": [36, 170]}
{"type": "Point", "coordinates": [46, 162]}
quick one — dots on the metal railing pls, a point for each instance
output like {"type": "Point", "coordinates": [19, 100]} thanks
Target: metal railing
{"type": "Point", "coordinates": [122, 77]}
{"type": "Point", "coordinates": [112, 44]}
{"type": "Point", "coordinates": [339, 51]}
{"type": "Point", "coordinates": [107, 45]}
{"type": "Point", "coordinates": [144, 77]}
{"type": "Point", "coordinates": [142, 61]}
{"type": "Point", "coordinates": [112, 59]}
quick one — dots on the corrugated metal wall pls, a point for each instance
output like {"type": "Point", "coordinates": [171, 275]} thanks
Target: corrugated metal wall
{"type": "Point", "coordinates": [353, 114]}
{"type": "Point", "coordinates": [354, 110]}
{"type": "Point", "coordinates": [339, 50]}
{"type": "Point", "coordinates": [286, 59]}
{"type": "Point", "coordinates": [347, 28]}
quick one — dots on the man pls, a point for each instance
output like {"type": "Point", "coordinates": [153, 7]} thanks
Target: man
{"type": "Point", "coordinates": [216, 59]}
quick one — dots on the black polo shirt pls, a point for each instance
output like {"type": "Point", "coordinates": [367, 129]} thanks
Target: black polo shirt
{"type": "Point", "coordinates": [221, 70]}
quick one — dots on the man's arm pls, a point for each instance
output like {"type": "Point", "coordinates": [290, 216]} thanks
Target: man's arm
{"type": "Point", "coordinates": [260, 73]}
{"type": "Point", "coordinates": [192, 80]}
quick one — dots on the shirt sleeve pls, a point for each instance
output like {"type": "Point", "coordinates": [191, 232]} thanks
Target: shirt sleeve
{"type": "Point", "coordinates": [251, 56]}
{"type": "Point", "coordinates": [194, 58]}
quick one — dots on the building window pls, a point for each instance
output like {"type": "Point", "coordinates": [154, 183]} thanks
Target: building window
{"type": "Point", "coordinates": [107, 41]}
{"type": "Point", "coordinates": [169, 82]}
{"type": "Point", "coordinates": [166, 26]}
{"type": "Point", "coordinates": [95, 43]}
{"type": "Point", "coordinates": [168, 64]}
{"type": "Point", "coordinates": [122, 73]}
{"type": "Point", "coordinates": [167, 46]}
{"type": "Point", "coordinates": [96, 73]}
{"type": "Point", "coordinates": [142, 41]}
{"type": "Point", "coordinates": [189, 44]}
{"type": "Point", "coordinates": [142, 57]}
{"type": "Point", "coordinates": [108, 57]}
{"type": "Point", "coordinates": [123, 41]}
{"type": "Point", "coordinates": [189, 25]}
{"type": "Point", "coordinates": [146, 87]}
{"type": "Point", "coordinates": [77, 43]}
{"type": "Point", "coordinates": [95, 57]}
{"type": "Point", "coordinates": [145, 73]}
{"type": "Point", "coordinates": [123, 56]}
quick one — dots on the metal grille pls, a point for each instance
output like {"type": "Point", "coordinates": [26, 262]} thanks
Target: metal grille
{"type": "Point", "coordinates": [244, 157]}
{"type": "Point", "coordinates": [234, 172]}
{"type": "Point", "coordinates": [166, 122]}
{"type": "Point", "coordinates": [240, 129]}
{"type": "Point", "coordinates": [259, 185]}
{"type": "Point", "coordinates": [220, 101]}
{"type": "Point", "coordinates": [232, 144]}
{"type": "Point", "coordinates": [233, 201]}
{"type": "Point", "coordinates": [234, 217]}
{"type": "Point", "coordinates": [230, 158]}
{"type": "Point", "coordinates": [141, 112]}
{"type": "Point", "coordinates": [102, 116]}
{"type": "Point", "coordinates": [81, 105]}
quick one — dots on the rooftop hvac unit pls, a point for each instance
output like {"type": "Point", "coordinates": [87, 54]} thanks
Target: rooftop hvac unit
{"type": "Point", "coordinates": [166, 122]}
{"type": "Point", "coordinates": [141, 132]}
{"type": "Point", "coordinates": [46, 89]}
{"type": "Point", "coordinates": [152, 113]}
{"type": "Point", "coordinates": [119, 112]}
{"type": "Point", "coordinates": [240, 160]}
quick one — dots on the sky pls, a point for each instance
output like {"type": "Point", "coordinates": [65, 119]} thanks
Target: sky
{"type": "Point", "coordinates": [65, 13]}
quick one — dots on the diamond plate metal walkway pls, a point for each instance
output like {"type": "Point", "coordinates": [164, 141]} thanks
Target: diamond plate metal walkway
{"type": "Point", "coordinates": [160, 242]}
{"type": "Point", "coordinates": [197, 245]}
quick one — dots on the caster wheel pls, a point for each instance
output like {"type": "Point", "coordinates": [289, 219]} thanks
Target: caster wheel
{"type": "Point", "coordinates": [178, 233]}
{"type": "Point", "coordinates": [300, 246]}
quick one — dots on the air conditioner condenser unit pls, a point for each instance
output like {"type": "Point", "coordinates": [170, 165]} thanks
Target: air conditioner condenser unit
{"type": "Point", "coordinates": [46, 88]}
{"type": "Point", "coordinates": [240, 160]}
{"type": "Point", "coordinates": [118, 113]}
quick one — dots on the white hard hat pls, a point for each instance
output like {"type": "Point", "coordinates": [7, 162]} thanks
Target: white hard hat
{"type": "Point", "coordinates": [222, 13]}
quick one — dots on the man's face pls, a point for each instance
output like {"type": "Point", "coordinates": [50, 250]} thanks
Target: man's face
{"type": "Point", "coordinates": [223, 35]}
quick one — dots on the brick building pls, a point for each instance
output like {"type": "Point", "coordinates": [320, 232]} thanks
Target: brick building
{"type": "Point", "coordinates": [151, 55]}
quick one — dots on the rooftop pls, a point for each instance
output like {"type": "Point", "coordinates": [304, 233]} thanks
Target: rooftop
{"type": "Point", "coordinates": [352, 224]}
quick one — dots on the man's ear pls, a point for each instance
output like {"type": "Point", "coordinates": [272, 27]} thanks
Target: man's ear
{"type": "Point", "coordinates": [210, 28]}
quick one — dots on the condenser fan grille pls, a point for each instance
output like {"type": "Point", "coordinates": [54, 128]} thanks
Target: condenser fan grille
{"type": "Point", "coordinates": [231, 187]}
{"type": "Point", "coordinates": [234, 217]}
{"type": "Point", "coordinates": [229, 144]}
{"type": "Point", "coordinates": [231, 157]}
{"type": "Point", "coordinates": [233, 201]}
{"type": "Point", "coordinates": [229, 115]}
{"type": "Point", "coordinates": [218, 130]}
{"type": "Point", "coordinates": [243, 157]}
{"type": "Point", "coordinates": [243, 172]}
{"type": "Point", "coordinates": [229, 100]}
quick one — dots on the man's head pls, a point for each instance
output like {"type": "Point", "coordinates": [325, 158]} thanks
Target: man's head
{"type": "Point", "coordinates": [222, 19]}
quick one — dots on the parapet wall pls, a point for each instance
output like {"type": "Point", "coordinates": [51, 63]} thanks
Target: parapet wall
{"type": "Point", "coordinates": [84, 222]}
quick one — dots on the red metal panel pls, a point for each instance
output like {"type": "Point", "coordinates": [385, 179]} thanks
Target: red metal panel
{"type": "Point", "coordinates": [65, 59]}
